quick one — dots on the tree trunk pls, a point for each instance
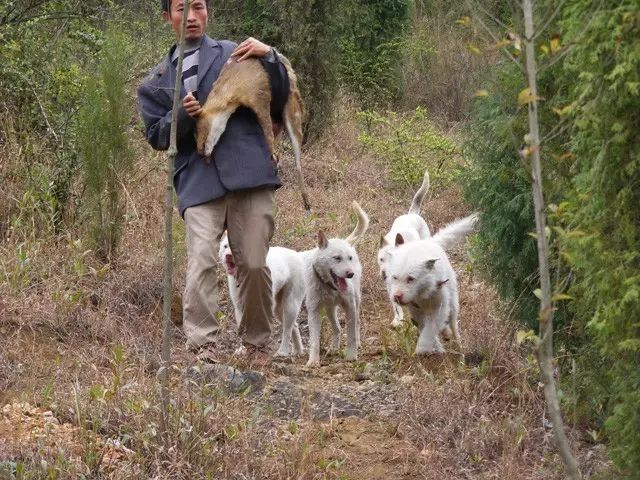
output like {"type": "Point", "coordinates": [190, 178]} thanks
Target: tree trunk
{"type": "Point", "coordinates": [165, 368]}
{"type": "Point", "coordinates": [544, 348]}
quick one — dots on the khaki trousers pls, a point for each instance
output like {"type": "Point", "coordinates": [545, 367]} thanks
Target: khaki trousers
{"type": "Point", "coordinates": [248, 218]}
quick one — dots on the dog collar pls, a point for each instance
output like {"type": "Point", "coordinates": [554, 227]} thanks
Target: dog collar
{"type": "Point", "coordinates": [442, 282]}
{"type": "Point", "coordinates": [330, 285]}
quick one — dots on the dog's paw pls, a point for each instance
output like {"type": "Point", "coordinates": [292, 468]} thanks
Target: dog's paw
{"type": "Point", "coordinates": [313, 363]}
{"type": "Point", "coordinates": [429, 351]}
{"type": "Point", "coordinates": [351, 355]}
{"type": "Point", "coordinates": [396, 323]}
{"type": "Point", "coordinates": [282, 354]}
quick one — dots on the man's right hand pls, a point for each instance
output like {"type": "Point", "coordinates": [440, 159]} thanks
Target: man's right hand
{"type": "Point", "coordinates": [191, 105]}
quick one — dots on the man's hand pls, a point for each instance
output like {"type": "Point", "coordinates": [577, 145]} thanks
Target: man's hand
{"type": "Point", "coordinates": [191, 105]}
{"type": "Point", "coordinates": [250, 48]}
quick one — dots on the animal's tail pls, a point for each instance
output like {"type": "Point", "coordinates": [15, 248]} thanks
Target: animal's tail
{"type": "Point", "coordinates": [416, 203]}
{"type": "Point", "coordinates": [361, 225]}
{"type": "Point", "coordinates": [455, 232]}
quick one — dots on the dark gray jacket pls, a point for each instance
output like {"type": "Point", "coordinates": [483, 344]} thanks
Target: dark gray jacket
{"type": "Point", "coordinates": [240, 160]}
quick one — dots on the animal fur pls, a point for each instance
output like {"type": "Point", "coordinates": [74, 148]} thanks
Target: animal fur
{"type": "Point", "coordinates": [412, 227]}
{"type": "Point", "coordinates": [333, 274]}
{"type": "Point", "coordinates": [288, 289]}
{"type": "Point", "coordinates": [421, 277]}
{"type": "Point", "coordinates": [246, 84]}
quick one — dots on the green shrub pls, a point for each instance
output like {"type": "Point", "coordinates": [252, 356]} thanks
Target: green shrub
{"type": "Point", "coordinates": [102, 143]}
{"type": "Point", "coordinates": [408, 144]}
{"type": "Point", "coordinates": [603, 77]}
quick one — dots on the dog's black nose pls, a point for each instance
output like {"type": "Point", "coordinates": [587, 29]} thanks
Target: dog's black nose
{"type": "Point", "coordinates": [350, 275]}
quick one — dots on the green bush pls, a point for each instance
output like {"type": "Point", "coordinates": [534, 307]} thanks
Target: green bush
{"type": "Point", "coordinates": [102, 143]}
{"type": "Point", "coordinates": [408, 144]}
{"type": "Point", "coordinates": [603, 77]}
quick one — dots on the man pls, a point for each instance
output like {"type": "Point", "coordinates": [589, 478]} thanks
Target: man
{"type": "Point", "coordinates": [235, 190]}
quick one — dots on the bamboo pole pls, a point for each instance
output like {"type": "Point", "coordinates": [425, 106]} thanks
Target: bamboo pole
{"type": "Point", "coordinates": [165, 368]}
{"type": "Point", "coordinates": [544, 347]}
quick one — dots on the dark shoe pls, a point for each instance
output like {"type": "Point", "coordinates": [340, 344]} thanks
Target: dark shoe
{"type": "Point", "coordinates": [255, 356]}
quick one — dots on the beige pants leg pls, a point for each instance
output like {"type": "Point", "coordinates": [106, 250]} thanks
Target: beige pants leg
{"type": "Point", "coordinates": [204, 225]}
{"type": "Point", "coordinates": [250, 226]}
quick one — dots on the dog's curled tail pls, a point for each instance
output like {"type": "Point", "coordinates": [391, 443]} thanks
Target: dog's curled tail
{"type": "Point", "coordinates": [455, 232]}
{"type": "Point", "coordinates": [362, 225]}
{"type": "Point", "coordinates": [416, 203]}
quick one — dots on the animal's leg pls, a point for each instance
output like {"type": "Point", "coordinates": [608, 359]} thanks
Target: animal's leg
{"type": "Point", "coordinates": [351, 309]}
{"type": "Point", "coordinates": [264, 118]}
{"type": "Point", "coordinates": [293, 124]}
{"type": "Point", "coordinates": [314, 335]}
{"type": "Point", "coordinates": [428, 341]}
{"type": "Point", "coordinates": [398, 314]}
{"type": "Point", "coordinates": [233, 294]}
{"type": "Point", "coordinates": [290, 309]}
{"type": "Point", "coordinates": [335, 328]}
{"type": "Point", "coordinates": [218, 124]}
{"type": "Point", "coordinates": [298, 347]}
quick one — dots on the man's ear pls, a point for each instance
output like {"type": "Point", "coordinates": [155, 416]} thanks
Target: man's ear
{"type": "Point", "coordinates": [167, 16]}
{"type": "Point", "coordinates": [322, 240]}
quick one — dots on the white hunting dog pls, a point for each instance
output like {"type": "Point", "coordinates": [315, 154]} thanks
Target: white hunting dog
{"type": "Point", "coordinates": [332, 275]}
{"type": "Point", "coordinates": [421, 278]}
{"type": "Point", "coordinates": [288, 289]}
{"type": "Point", "coordinates": [412, 227]}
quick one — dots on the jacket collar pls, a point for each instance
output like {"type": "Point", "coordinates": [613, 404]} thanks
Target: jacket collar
{"type": "Point", "coordinates": [209, 50]}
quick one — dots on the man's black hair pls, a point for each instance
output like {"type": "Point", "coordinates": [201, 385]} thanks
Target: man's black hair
{"type": "Point", "coordinates": [166, 4]}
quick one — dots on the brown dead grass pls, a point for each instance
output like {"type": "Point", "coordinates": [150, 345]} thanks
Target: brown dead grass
{"type": "Point", "coordinates": [479, 421]}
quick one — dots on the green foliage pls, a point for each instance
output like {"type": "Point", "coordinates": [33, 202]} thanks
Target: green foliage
{"type": "Point", "coordinates": [102, 143]}
{"type": "Point", "coordinates": [603, 75]}
{"type": "Point", "coordinates": [371, 37]}
{"type": "Point", "coordinates": [498, 186]}
{"type": "Point", "coordinates": [408, 144]}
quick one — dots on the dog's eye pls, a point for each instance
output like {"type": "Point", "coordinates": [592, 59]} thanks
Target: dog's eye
{"type": "Point", "coordinates": [382, 260]}
{"type": "Point", "coordinates": [350, 258]}
{"type": "Point", "coordinates": [337, 258]}
{"type": "Point", "coordinates": [410, 279]}
{"type": "Point", "coordinates": [395, 277]}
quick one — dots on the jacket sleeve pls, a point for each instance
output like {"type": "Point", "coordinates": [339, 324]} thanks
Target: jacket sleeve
{"type": "Point", "coordinates": [157, 118]}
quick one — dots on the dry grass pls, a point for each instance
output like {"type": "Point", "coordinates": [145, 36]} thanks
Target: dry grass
{"type": "Point", "coordinates": [84, 343]}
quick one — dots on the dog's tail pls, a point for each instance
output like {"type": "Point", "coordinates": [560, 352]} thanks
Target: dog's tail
{"type": "Point", "coordinates": [416, 203]}
{"type": "Point", "coordinates": [455, 232]}
{"type": "Point", "coordinates": [361, 225]}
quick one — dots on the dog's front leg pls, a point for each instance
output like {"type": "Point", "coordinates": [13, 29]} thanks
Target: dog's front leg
{"type": "Point", "coordinates": [233, 294]}
{"type": "Point", "coordinates": [428, 341]}
{"type": "Point", "coordinates": [332, 314]}
{"type": "Point", "coordinates": [289, 313]}
{"type": "Point", "coordinates": [314, 335]}
{"type": "Point", "coordinates": [398, 314]}
{"type": "Point", "coordinates": [351, 310]}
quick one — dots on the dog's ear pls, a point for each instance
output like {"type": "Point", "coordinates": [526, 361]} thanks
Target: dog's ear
{"type": "Point", "coordinates": [429, 264]}
{"type": "Point", "coordinates": [383, 241]}
{"type": "Point", "coordinates": [399, 239]}
{"type": "Point", "coordinates": [322, 240]}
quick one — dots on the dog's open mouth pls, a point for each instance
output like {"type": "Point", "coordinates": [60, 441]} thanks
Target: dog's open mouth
{"type": "Point", "coordinates": [339, 282]}
{"type": "Point", "coordinates": [230, 265]}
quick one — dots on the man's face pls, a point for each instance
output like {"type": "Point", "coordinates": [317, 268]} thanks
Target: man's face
{"type": "Point", "coordinates": [196, 21]}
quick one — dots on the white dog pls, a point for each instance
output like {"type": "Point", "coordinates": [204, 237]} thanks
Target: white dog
{"type": "Point", "coordinates": [412, 227]}
{"type": "Point", "coordinates": [332, 275]}
{"type": "Point", "coordinates": [288, 288]}
{"type": "Point", "coordinates": [421, 277]}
